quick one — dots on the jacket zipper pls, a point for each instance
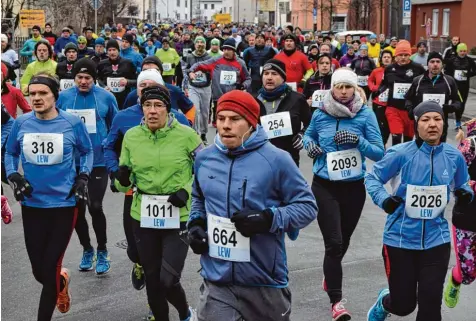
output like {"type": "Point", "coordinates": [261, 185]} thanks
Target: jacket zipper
{"type": "Point", "coordinates": [431, 184]}
{"type": "Point", "coordinates": [245, 181]}
{"type": "Point", "coordinates": [337, 129]}
{"type": "Point", "coordinates": [228, 213]}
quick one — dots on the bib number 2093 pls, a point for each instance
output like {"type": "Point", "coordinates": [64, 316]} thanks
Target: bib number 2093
{"type": "Point", "coordinates": [341, 164]}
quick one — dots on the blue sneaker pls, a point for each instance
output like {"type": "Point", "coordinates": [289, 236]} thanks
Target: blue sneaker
{"type": "Point", "coordinates": [150, 315]}
{"type": "Point", "coordinates": [377, 312]}
{"type": "Point", "coordinates": [103, 264]}
{"type": "Point", "coordinates": [457, 125]}
{"type": "Point", "coordinates": [87, 261]}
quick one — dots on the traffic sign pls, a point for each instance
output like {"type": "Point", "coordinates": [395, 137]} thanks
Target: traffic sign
{"type": "Point", "coordinates": [407, 5]}
{"type": "Point", "coordinates": [95, 4]}
{"type": "Point", "coordinates": [30, 18]}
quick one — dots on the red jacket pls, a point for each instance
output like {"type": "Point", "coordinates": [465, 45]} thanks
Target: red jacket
{"type": "Point", "coordinates": [13, 97]}
{"type": "Point", "coordinates": [335, 65]}
{"type": "Point", "coordinates": [375, 79]}
{"type": "Point", "coordinates": [296, 66]}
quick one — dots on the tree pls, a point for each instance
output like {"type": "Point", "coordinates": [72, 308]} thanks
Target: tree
{"type": "Point", "coordinates": [364, 14]}
{"type": "Point", "coordinates": [8, 7]}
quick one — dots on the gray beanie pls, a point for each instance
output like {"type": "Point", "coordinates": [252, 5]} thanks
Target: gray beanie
{"type": "Point", "coordinates": [427, 107]}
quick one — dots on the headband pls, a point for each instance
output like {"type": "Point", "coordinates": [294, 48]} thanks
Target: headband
{"type": "Point", "coordinates": [156, 92]}
{"type": "Point", "coordinates": [50, 83]}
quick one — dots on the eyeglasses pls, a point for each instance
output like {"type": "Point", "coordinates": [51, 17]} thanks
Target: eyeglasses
{"type": "Point", "coordinates": [156, 105]}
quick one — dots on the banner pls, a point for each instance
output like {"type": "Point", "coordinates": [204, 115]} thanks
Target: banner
{"type": "Point", "coordinates": [222, 18]}
{"type": "Point", "coordinates": [267, 5]}
{"type": "Point", "coordinates": [30, 18]}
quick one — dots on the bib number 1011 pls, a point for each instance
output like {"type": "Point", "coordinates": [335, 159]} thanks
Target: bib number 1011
{"type": "Point", "coordinates": [155, 210]}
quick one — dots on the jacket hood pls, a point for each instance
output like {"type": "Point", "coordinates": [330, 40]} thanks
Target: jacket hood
{"type": "Point", "coordinates": [257, 139]}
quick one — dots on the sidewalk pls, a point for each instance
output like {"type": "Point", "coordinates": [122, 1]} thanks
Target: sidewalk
{"type": "Point", "coordinates": [470, 110]}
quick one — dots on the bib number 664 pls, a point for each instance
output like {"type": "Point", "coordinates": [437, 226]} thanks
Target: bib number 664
{"type": "Point", "coordinates": [222, 237]}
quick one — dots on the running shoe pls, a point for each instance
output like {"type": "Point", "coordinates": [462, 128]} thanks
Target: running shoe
{"type": "Point", "coordinates": [204, 139]}
{"type": "Point", "coordinates": [63, 303]}
{"type": "Point", "coordinates": [87, 260]}
{"type": "Point", "coordinates": [192, 316]}
{"type": "Point", "coordinates": [457, 125]}
{"type": "Point", "coordinates": [150, 315]}
{"type": "Point", "coordinates": [377, 311]}
{"type": "Point", "coordinates": [137, 277]}
{"type": "Point", "coordinates": [339, 313]}
{"type": "Point", "coordinates": [324, 284]}
{"type": "Point", "coordinates": [103, 264]}
{"type": "Point", "coordinates": [452, 293]}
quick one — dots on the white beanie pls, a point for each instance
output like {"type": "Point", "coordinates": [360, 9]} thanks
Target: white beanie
{"type": "Point", "coordinates": [150, 74]}
{"type": "Point", "coordinates": [344, 75]}
{"type": "Point", "coordinates": [4, 37]}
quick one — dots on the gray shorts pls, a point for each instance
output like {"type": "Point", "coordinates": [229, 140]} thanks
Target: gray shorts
{"type": "Point", "coordinates": [239, 303]}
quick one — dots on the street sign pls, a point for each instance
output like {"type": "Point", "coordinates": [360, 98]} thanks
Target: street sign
{"type": "Point", "coordinates": [407, 5]}
{"type": "Point", "coordinates": [95, 4]}
{"type": "Point", "coordinates": [407, 12]}
{"type": "Point", "coordinates": [222, 18]}
{"type": "Point", "coordinates": [406, 21]}
{"type": "Point", "coordinates": [30, 18]}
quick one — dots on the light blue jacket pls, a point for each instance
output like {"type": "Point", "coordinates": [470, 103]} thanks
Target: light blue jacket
{"type": "Point", "coordinates": [255, 176]}
{"type": "Point", "coordinates": [29, 48]}
{"type": "Point", "coordinates": [106, 108]}
{"type": "Point", "coordinates": [323, 128]}
{"type": "Point", "coordinates": [424, 166]}
{"type": "Point", "coordinates": [133, 56]}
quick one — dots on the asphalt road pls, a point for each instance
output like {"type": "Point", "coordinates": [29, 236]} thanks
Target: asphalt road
{"type": "Point", "coordinates": [111, 297]}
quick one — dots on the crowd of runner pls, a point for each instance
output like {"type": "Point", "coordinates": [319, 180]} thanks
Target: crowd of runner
{"type": "Point", "coordinates": [129, 109]}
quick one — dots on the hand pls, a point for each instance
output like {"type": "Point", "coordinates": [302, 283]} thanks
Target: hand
{"type": "Point", "coordinates": [313, 150]}
{"type": "Point", "coordinates": [301, 84]}
{"type": "Point", "coordinates": [174, 65]}
{"type": "Point", "coordinates": [21, 187]}
{"type": "Point", "coordinates": [191, 76]}
{"type": "Point", "coordinates": [240, 86]}
{"type": "Point", "coordinates": [123, 176]}
{"type": "Point", "coordinates": [80, 189]}
{"type": "Point", "coordinates": [185, 91]}
{"type": "Point", "coordinates": [123, 82]}
{"type": "Point", "coordinates": [107, 88]}
{"type": "Point", "coordinates": [447, 108]}
{"type": "Point", "coordinates": [345, 137]}
{"type": "Point", "coordinates": [7, 214]}
{"type": "Point", "coordinates": [251, 222]}
{"type": "Point", "coordinates": [391, 204]}
{"type": "Point", "coordinates": [197, 236]}
{"type": "Point", "coordinates": [309, 101]}
{"type": "Point", "coordinates": [111, 185]}
{"type": "Point", "coordinates": [463, 197]}
{"type": "Point", "coordinates": [410, 114]}
{"type": "Point", "coordinates": [179, 198]}
{"type": "Point", "coordinates": [297, 142]}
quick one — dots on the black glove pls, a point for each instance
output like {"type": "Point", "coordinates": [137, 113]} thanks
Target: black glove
{"type": "Point", "coordinates": [174, 65]}
{"type": "Point", "coordinates": [448, 109]}
{"type": "Point", "coordinates": [80, 189]}
{"type": "Point", "coordinates": [197, 236]}
{"type": "Point", "coordinates": [240, 86]}
{"type": "Point", "coordinates": [301, 84]}
{"type": "Point", "coordinates": [345, 137]}
{"type": "Point", "coordinates": [123, 176]}
{"type": "Point", "coordinates": [297, 142]}
{"type": "Point", "coordinates": [463, 197]}
{"type": "Point", "coordinates": [112, 186]}
{"type": "Point", "coordinates": [313, 150]}
{"type": "Point", "coordinates": [21, 187]}
{"type": "Point", "coordinates": [251, 222]}
{"type": "Point", "coordinates": [179, 198]}
{"type": "Point", "coordinates": [410, 114]}
{"type": "Point", "coordinates": [391, 204]}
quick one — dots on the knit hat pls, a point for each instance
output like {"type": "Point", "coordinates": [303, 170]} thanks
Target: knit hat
{"type": "Point", "coordinates": [364, 47]}
{"type": "Point", "coordinates": [165, 40]}
{"type": "Point", "coordinates": [403, 47]}
{"type": "Point", "coordinates": [241, 103]}
{"type": "Point", "coordinates": [153, 60]}
{"type": "Point", "coordinates": [427, 107]}
{"type": "Point", "coordinates": [82, 40]}
{"type": "Point", "coordinates": [36, 28]}
{"type": "Point", "coordinates": [373, 36]}
{"type": "Point", "coordinates": [70, 46]}
{"type": "Point", "coordinates": [290, 36]}
{"type": "Point", "coordinates": [344, 75]}
{"type": "Point", "coordinates": [4, 38]}
{"type": "Point", "coordinates": [150, 74]}
{"type": "Point", "coordinates": [229, 43]}
{"type": "Point", "coordinates": [421, 43]}
{"type": "Point", "coordinates": [85, 66]}
{"type": "Point", "coordinates": [129, 38]}
{"type": "Point", "coordinates": [99, 41]}
{"type": "Point", "coordinates": [200, 38]}
{"type": "Point", "coordinates": [215, 42]}
{"type": "Point", "coordinates": [434, 55]}
{"type": "Point", "coordinates": [276, 65]}
{"type": "Point", "coordinates": [461, 46]}
{"type": "Point", "coordinates": [156, 92]}
{"type": "Point", "coordinates": [112, 43]}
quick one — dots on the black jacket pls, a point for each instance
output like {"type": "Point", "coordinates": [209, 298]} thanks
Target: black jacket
{"type": "Point", "coordinates": [300, 114]}
{"type": "Point", "coordinates": [465, 64]}
{"type": "Point", "coordinates": [121, 67]}
{"type": "Point", "coordinates": [316, 82]}
{"type": "Point", "coordinates": [64, 69]}
{"type": "Point", "coordinates": [97, 58]}
{"type": "Point", "coordinates": [362, 66]}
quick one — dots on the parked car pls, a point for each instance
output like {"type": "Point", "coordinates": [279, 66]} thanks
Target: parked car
{"type": "Point", "coordinates": [356, 34]}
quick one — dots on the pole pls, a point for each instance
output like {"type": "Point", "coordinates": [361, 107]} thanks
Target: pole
{"type": "Point", "coordinates": [96, 16]}
{"type": "Point", "coordinates": [381, 16]}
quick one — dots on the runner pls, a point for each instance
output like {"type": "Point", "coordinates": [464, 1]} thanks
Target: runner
{"type": "Point", "coordinates": [96, 107]}
{"type": "Point", "coordinates": [128, 52]}
{"type": "Point", "coordinates": [343, 131]}
{"type": "Point", "coordinates": [161, 242]}
{"type": "Point", "coordinates": [461, 68]}
{"type": "Point", "coordinates": [227, 73]}
{"type": "Point", "coordinates": [9, 55]}
{"type": "Point", "coordinates": [44, 63]}
{"type": "Point", "coordinates": [436, 86]}
{"type": "Point", "coordinates": [464, 224]}
{"type": "Point", "coordinates": [29, 47]}
{"type": "Point", "coordinates": [326, 49]}
{"type": "Point", "coordinates": [319, 84]}
{"type": "Point", "coordinates": [61, 42]}
{"type": "Point", "coordinates": [347, 59]}
{"type": "Point", "coordinates": [12, 97]}
{"type": "Point", "coordinates": [363, 66]}
{"type": "Point", "coordinates": [64, 69]}
{"type": "Point", "coordinates": [416, 238]}
{"type": "Point", "coordinates": [7, 124]}
{"type": "Point", "coordinates": [312, 54]}
{"type": "Point", "coordinates": [244, 271]}
{"type": "Point", "coordinates": [284, 113]}
{"type": "Point", "coordinates": [255, 58]}
{"type": "Point", "coordinates": [397, 79]}
{"type": "Point", "coordinates": [45, 142]}
{"type": "Point", "coordinates": [298, 67]}
{"type": "Point", "coordinates": [99, 52]}
{"type": "Point", "coordinates": [49, 35]}
{"type": "Point", "coordinates": [392, 46]}
{"type": "Point", "coordinates": [379, 103]}
{"type": "Point", "coordinates": [116, 74]}
{"type": "Point", "coordinates": [214, 50]}
{"type": "Point", "coordinates": [199, 90]}
{"type": "Point", "coordinates": [83, 50]}
{"type": "Point", "coordinates": [374, 49]}
{"type": "Point", "coordinates": [169, 58]}
{"type": "Point", "coordinates": [451, 50]}
{"type": "Point", "coordinates": [421, 56]}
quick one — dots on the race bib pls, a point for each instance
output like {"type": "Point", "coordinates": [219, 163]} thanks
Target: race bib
{"type": "Point", "coordinates": [383, 97]}
{"type": "Point", "coordinates": [461, 75]}
{"type": "Point", "coordinates": [113, 84]}
{"type": "Point", "coordinates": [277, 125]}
{"type": "Point", "coordinates": [348, 65]}
{"type": "Point", "coordinates": [200, 77]}
{"type": "Point", "coordinates": [167, 66]}
{"type": "Point", "coordinates": [66, 84]}
{"type": "Point", "coordinates": [225, 242]}
{"type": "Point", "coordinates": [43, 148]}
{"type": "Point", "coordinates": [425, 202]}
{"type": "Point", "coordinates": [187, 51]}
{"type": "Point", "coordinates": [305, 49]}
{"type": "Point", "coordinates": [156, 212]}
{"type": "Point", "coordinates": [437, 98]}
{"type": "Point", "coordinates": [318, 98]}
{"type": "Point", "coordinates": [293, 85]}
{"type": "Point", "coordinates": [400, 90]}
{"type": "Point", "coordinates": [362, 81]}
{"type": "Point", "coordinates": [88, 116]}
{"type": "Point", "coordinates": [227, 77]}
{"type": "Point", "coordinates": [344, 164]}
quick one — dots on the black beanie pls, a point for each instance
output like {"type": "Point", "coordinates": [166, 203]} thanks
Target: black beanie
{"type": "Point", "coordinates": [434, 55]}
{"type": "Point", "coordinates": [290, 36]}
{"type": "Point", "coordinates": [112, 43]}
{"type": "Point", "coordinates": [129, 38]}
{"type": "Point", "coordinates": [156, 92]}
{"type": "Point", "coordinates": [276, 65]}
{"type": "Point", "coordinates": [153, 60]}
{"type": "Point", "coordinates": [85, 66]}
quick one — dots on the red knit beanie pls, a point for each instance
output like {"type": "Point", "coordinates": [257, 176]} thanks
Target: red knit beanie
{"type": "Point", "coordinates": [241, 103]}
{"type": "Point", "coordinates": [403, 47]}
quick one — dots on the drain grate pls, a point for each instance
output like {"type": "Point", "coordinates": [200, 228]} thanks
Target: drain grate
{"type": "Point", "coordinates": [122, 244]}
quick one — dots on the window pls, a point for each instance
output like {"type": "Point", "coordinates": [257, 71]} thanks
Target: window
{"type": "Point", "coordinates": [338, 23]}
{"type": "Point", "coordinates": [178, 3]}
{"type": "Point", "coordinates": [186, 5]}
{"type": "Point", "coordinates": [205, 6]}
{"type": "Point", "coordinates": [446, 22]}
{"type": "Point", "coordinates": [212, 6]}
{"type": "Point", "coordinates": [423, 23]}
{"type": "Point", "coordinates": [434, 22]}
{"type": "Point", "coordinates": [224, 9]}
{"type": "Point", "coordinates": [186, 17]}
